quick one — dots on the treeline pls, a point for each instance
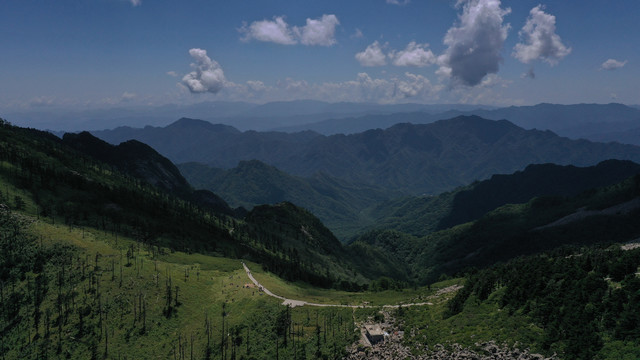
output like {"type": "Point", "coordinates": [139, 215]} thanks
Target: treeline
{"type": "Point", "coordinates": [582, 299]}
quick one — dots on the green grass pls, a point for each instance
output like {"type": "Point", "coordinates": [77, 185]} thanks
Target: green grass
{"type": "Point", "coordinates": [479, 322]}
{"type": "Point", "coordinates": [301, 291]}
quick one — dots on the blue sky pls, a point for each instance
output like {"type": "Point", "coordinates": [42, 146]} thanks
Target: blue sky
{"type": "Point", "coordinates": [106, 53]}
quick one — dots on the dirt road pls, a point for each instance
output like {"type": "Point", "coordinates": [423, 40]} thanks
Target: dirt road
{"type": "Point", "coordinates": [294, 303]}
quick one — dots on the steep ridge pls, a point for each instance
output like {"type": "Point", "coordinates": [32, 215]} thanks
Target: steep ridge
{"type": "Point", "coordinates": [132, 157]}
{"type": "Point", "coordinates": [143, 162]}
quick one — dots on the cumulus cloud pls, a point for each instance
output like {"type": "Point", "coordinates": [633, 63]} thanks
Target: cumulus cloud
{"type": "Point", "coordinates": [172, 73]}
{"type": "Point", "coordinates": [365, 88]}
{"type": "Point", "coordinates": [612, 64]}
{"type": "Point", "coordinates": [474, 44]}
{"type": "Point", "coordinates": [357, 34]}
{"type": "Point", "coordinates": [319, 31]}
{"type": "Point", "coordinates": [127, 96]}
{"type": "Point", "coordinates": [413, 55]}
{"type": "Point", "coordinates": [539, 39]}
{"type": "Point", "coordinates": [372, 56]}
{"type": "Point", "coordinates": [398, 2]}
{"type": "Point", "coordinates": [531, 74]}
{"type": "Point", "coordinates": [276, 31]}
{"type": "Point", "coordinates": [136, 2]}
{"type": "Point", "coordinates": [207, 75]}
{"type": "Point", "coordinates": [41, 101]}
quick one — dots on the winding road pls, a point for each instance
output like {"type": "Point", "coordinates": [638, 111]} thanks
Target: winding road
{"type": "Point", "coordinates": [294, 303]}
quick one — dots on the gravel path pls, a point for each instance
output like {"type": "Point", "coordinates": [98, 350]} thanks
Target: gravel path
{"type": "Point", "coordinates": [294, 303]}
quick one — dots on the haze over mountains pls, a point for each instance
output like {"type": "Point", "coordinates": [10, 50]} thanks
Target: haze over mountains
{"type": "Point", "coordinates": [609, 122]}
{"type": "Point", "coordinates": [416, 159]}
{"type": "Point", "coordinates": [598, 122]}
{"type": "Point", "coordinates": [242, 115]}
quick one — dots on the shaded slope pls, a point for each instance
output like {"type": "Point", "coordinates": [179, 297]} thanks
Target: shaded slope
{"type": "Point", "coordinates": [515, 230]}
{"type": "Point", "coordinates": [422, 215]}
{"type": "Point", "coordinates": [131, 157]}
{"type": "Point", "coordinates": [336, 202]}
{"type": "Point", "coordinates": [143, 162]}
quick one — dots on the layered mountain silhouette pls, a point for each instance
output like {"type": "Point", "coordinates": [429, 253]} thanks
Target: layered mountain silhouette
{"type": "Point", "coordinates": [417, 159]}
{"type": "Point", "coordinates": [140, 161]}
{"type": "Point", "coordinates": [589, 121]}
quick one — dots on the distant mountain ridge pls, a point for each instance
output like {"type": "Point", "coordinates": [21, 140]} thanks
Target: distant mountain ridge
{"type": "Point", "coordinates": [587, 121]}
{"type": "Point", "coordinates": [417, 159]}
{"type": "Point", "coordinates": [242, 115]}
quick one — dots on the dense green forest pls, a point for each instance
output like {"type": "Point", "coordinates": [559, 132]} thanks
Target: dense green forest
{"type": "Point", "coordinates": [596, 216]}
{"type": "Point", "coordinates": [585, 300]}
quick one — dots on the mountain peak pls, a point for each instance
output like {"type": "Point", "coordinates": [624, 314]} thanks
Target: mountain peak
{"type": "Point", "coordinates": [188, 123]}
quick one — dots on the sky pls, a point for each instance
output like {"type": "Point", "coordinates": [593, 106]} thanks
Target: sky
{"type": "Point", "coordinates": [114, 53]}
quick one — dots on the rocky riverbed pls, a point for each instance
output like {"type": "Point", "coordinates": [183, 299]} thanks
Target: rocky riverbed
{"type": "Point", "coordinates": [392, 348]}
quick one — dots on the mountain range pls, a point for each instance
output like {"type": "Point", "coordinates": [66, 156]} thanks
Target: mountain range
{"type": "Point", "coordinates": [598, 122]}
{"type": "Point", "coordinates": [242, 115]}
{"type": "Point", "coordinates": [415, 159]}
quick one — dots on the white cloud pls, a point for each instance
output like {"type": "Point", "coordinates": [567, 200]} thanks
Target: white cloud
{"type": "Point", "coordinates": [172, 73]}
{"type": "Point", "coordinates": [127, 96]}
{"type": "Point", "coordinates": [531, 74]}
{"type": "Point", "coordinates": [256, 86]}
{"type": "Point", "coordinates": [207, 75]}
{"type": "Point", "coordinates": [276, 31]}
{"type": "Point", "coordinates": [539, 39]}
{"type": "Point", "coordinates": [357, 34]}
{"type": "Point", "coordinates": [372, 56]}
{"type": "Point", "coordinates": [612, 64]}
{"type": "Point", "coordinates": [136, 2]}
{"type": "Point", "coordinates": [316, 31]}
{"type": "Point", "coordinates": [474, 44]}
{"type": "Point", "coordinates": [413, 55]}
{"type": "Point", "coordinates": [42, 101]}
{"type": "Point", "coordinates": [365, 89]}
{"type": "Point", "coordinates": [398, 2]}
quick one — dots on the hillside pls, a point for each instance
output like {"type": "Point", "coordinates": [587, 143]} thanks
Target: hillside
{"type": "Point", "coordinates": [422, 215]}
{"type": "Point", "coordinates": [77, 189]}
{"type": "Point", "coordinates": [336, 202]}
{"type": "Point", "coordinates": [131, 157]}
{"type": "Point", "coordinates": [597, 216]}
{"type": "Point", "coordinates": [415, 158]}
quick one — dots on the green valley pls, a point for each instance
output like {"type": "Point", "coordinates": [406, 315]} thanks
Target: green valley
{"type": "Point", "coordinates": [103, 258]}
